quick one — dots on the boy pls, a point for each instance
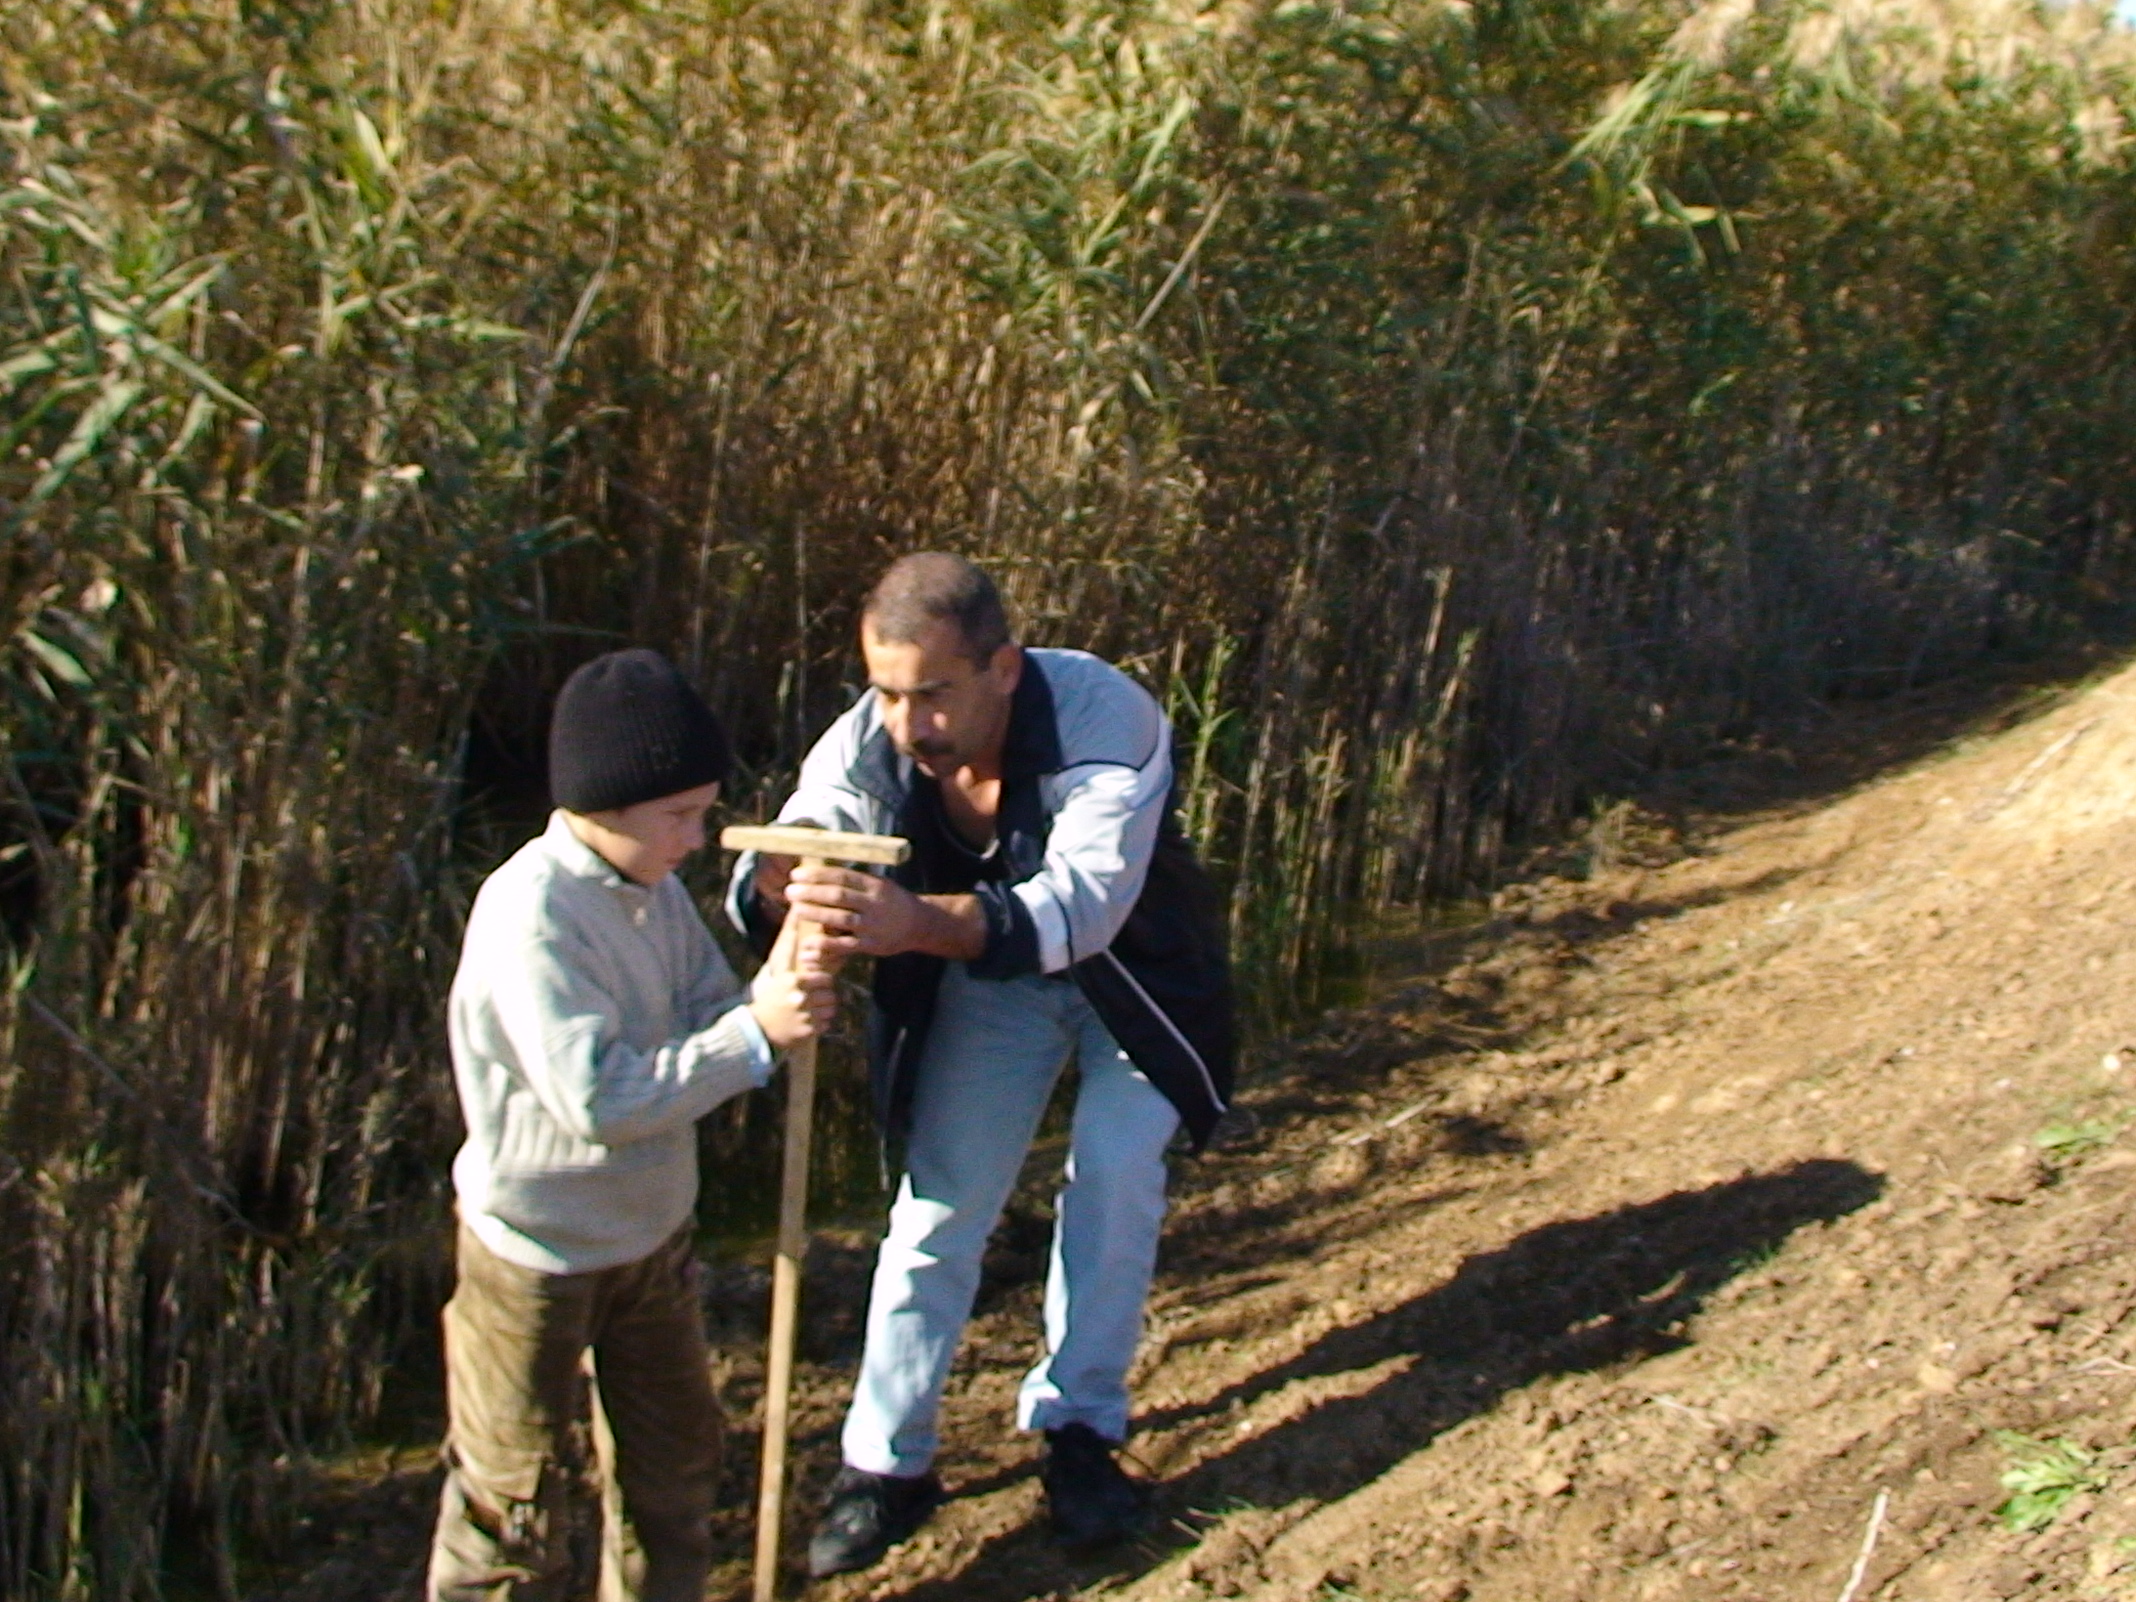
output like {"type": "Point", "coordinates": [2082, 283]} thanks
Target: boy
{"type": "Point", "coordinates": [593, 1022]}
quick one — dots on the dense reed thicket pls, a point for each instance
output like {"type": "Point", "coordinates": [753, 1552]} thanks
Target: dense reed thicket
{"type": "Point", "coordinates": [1453, 409]}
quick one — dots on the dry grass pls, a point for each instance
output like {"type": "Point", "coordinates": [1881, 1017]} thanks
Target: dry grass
{"type": "Point", "coordinates": [1451, 409]}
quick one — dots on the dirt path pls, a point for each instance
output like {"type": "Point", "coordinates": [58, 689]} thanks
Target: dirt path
{"type": "Point", "coordinates": [1688, 1223]}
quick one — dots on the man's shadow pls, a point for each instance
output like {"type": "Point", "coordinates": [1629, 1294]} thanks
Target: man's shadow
{"type": "Point", "coordinates": [1568, 1297]}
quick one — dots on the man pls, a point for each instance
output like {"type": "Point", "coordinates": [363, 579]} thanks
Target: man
{"type": "Point", "coordinates": [1051, 910]}
{"type": "Point", "coordinates": [593, 1022]}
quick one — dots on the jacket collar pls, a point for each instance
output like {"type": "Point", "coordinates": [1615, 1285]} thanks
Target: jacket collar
{"type": "Point", "coordinates": [1033, 746]}
{"type": "Point", "coordinates": [579, 859]}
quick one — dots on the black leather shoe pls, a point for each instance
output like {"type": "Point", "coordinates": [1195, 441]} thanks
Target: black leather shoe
{"type": "Point", "coordinates": [1092, 1501]}
{"type": "Point", "coordinates": [866, 1515]}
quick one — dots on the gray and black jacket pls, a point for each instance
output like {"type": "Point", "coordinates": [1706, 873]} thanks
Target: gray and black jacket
{"type": "Point", "coordinates": [1090, 878]}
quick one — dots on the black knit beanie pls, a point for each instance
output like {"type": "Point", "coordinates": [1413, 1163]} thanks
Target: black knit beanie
{"type": "Point", "coordinates": [629, 728]}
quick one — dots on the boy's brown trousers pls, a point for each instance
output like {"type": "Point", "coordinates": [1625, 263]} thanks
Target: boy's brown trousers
{"type": "Point", "coordinates": [515, 1340]}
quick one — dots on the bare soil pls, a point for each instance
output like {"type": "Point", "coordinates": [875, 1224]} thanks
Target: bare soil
{"type": "Point", "coordinates": [1688, 1228]}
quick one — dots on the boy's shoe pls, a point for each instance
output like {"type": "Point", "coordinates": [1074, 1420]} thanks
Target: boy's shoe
{"type": "Point", "coordinates": [1092, 1501]}
{"type": "Point", "coordinates": [866, 1515]}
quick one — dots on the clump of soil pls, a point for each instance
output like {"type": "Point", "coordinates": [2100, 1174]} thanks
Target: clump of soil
{"type": "Point", "coordinates": [1712, 1228]}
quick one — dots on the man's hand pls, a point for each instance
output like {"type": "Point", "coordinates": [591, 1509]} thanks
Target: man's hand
{"type": "Point", "coordinates": [771, 876]}
{"type": "Point", "coordinates": [867, 916]}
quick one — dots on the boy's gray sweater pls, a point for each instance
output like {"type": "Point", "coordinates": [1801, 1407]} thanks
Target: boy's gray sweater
{"type": "Point", "coordinates": [593, 1022]}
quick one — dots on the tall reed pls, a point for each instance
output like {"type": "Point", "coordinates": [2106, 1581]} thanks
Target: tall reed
{"type": "Point", "coordinates": [1454, 411]}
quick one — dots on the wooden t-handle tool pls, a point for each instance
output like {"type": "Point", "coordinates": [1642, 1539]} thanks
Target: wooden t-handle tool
{"type": "Point", "coordinates": [812, 846]}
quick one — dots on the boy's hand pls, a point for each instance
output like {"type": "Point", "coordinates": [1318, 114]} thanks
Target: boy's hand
{"type": "Point", "coordinates": [794, 1004]}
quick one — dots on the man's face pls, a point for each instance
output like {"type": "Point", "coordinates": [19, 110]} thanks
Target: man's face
{"type": "Point", "coordinates": [647, 842]}
{"type": "Point", "coordinates": [941, 708]}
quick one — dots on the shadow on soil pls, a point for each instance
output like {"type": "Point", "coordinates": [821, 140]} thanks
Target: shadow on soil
{"type": "Point", "coordinates": [1579, 1295]}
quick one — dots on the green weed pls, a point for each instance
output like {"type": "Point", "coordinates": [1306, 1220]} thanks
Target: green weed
{"type": "Point", "coordinates": [2064, 1141]}
{"type": "Point", "coordinates": [2042, 1478]}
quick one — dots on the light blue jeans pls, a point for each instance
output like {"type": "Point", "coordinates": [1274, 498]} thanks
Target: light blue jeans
{"type": "Point", "coordinates": [992, 1057]}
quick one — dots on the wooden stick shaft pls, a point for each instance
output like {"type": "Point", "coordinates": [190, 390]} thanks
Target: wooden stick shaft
{"type": "Point", "coordinates": [785, 1309]}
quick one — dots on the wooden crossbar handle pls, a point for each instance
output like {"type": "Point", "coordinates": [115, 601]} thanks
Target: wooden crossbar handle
{"type": "Point", "coordinates": [823, 845]}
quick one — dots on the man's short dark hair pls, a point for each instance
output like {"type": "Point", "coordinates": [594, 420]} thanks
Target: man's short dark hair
{"type": "Point", "coordinates": [931, 586]}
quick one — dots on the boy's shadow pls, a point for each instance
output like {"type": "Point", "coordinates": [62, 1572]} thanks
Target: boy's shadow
{"type": "Point", "coordinates": [1584, 1294]}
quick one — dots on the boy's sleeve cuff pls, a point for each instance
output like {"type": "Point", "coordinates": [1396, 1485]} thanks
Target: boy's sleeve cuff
{"type": "Point", "coordinates": [761, 1059]}
{"type": "Point", "coordinates": [1012, 948]}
